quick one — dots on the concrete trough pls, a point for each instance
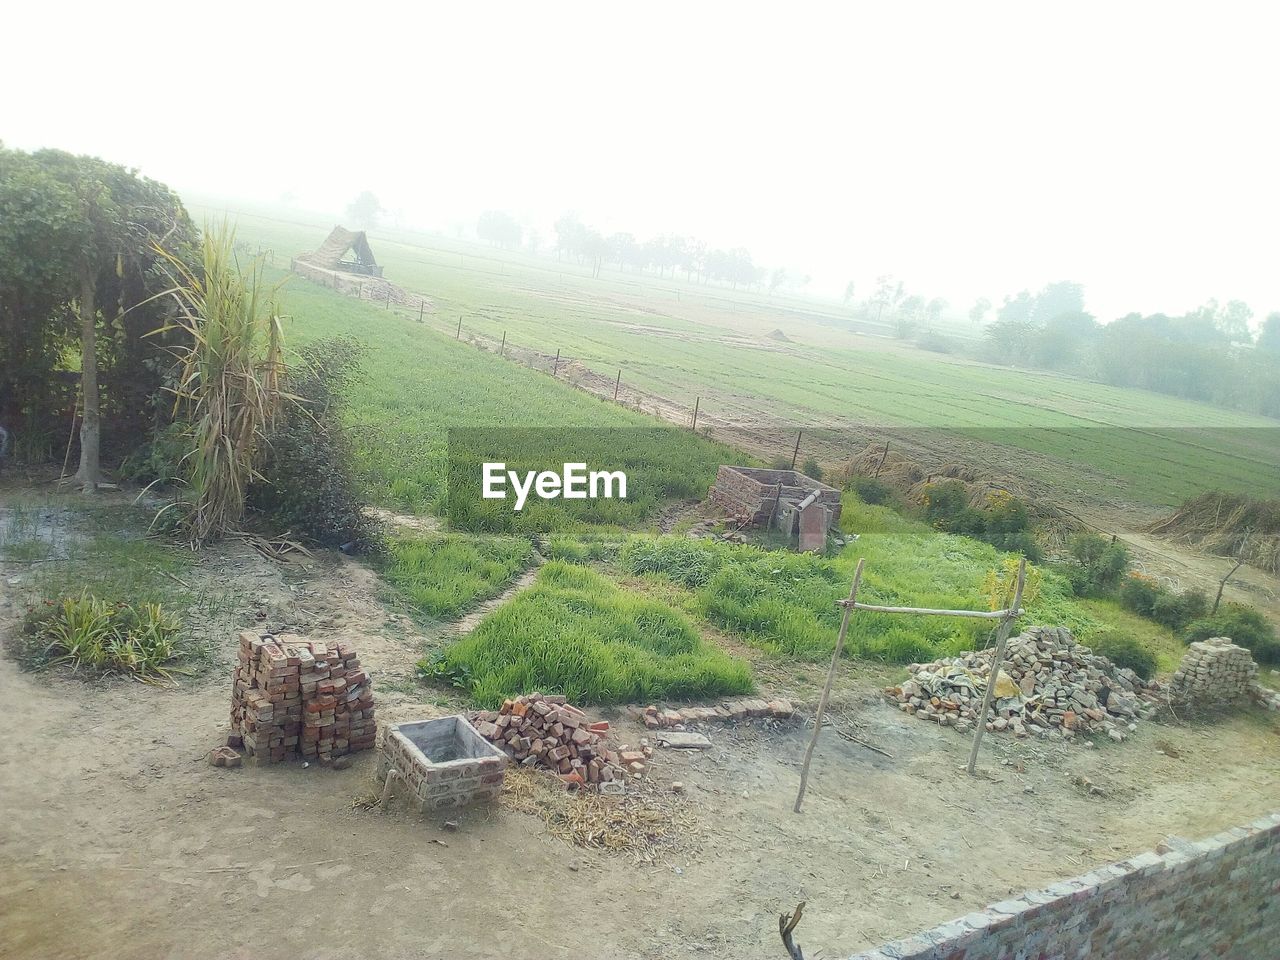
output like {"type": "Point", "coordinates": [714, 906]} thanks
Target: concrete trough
{"type": "Point", "coordinates": [442, 763]}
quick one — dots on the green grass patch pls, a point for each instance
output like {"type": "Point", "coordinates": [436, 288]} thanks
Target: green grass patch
{"type": "Point", "coordinates": [440, 576]}
{"type": "Point", "coordinates": [86, 633]}
{"type": "Point", "coordinates": [867, 518]}
{"type": "Point", "coordinates": [785, 603]}
{"type": "Point", "coordinates": [576, 633]}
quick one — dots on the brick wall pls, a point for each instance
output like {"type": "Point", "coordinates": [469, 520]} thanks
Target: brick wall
{"type": "Point", "coordinates": [1217, 898]}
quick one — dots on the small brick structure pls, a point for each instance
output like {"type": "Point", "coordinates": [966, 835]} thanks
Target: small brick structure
{"type": "Point", "coordinates": [291, 696]}
{"type": "Point", "coordinates": [1213, 672]}
{"type": "Point", "coordinates": [761, 498]}
{"type": "Point", "coordinates": [1215, 898]}
{"type": "Point", "coordinates": [442, 763]}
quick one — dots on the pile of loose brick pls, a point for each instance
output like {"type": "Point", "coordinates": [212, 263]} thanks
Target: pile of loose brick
{"type": "Point", "coordinates": [730, 711]}
{"type": "Point", "coordinates": [293, 696]}
{"type": "Point", "coordinates": [1052, 686]}
{"type": "Point", "coordinates": [1213, 671]}
{"type": "Point", "coordinates": [545, 731]}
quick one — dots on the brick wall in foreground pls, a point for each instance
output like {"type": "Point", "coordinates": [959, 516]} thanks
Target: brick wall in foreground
{"type": "Point", "coordinates": [1217, 898]}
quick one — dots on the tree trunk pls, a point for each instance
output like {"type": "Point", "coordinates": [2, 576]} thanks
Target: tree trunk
{"type": "Point", "coordinates": [88, 474]}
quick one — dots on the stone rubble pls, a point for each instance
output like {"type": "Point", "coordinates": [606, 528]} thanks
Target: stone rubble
{"type": "Point", "coordinates": [544, 731]}
{"type": "Point", "coordinates": [730, 711]}
{"type": "Point", "coordinates": [1049, 685]}
{"type": "Point", "coordinates": [293, 696]}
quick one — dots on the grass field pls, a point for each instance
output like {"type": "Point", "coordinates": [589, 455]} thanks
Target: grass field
{"type": "Point", "coordinates": [417, 385]}
{"type": "Point", "coordinates": [576, 633]}
{"type": "Point", "coordinates": [785, 603]}
{"type": "Point", "coordinates": [681, 341]}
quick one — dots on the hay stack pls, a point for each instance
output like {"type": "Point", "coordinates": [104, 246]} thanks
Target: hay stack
{"type": "Point", "coordinates": [1229, 525]}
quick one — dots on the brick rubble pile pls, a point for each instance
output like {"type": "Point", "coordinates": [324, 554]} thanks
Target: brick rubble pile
{"type": "Point", "coordinates": [544, 731]}
{"type": "Point", "coordinates": [292, 696]}
{"type": "Point", "coordinates": [1213, 671]}
{"type": "Point", "coordinates": [1048, 685]}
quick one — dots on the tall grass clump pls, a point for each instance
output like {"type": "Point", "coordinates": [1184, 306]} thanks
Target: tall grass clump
{"type": "Point", "coordinates": [441, 576]}
{"type": "Point", "coordinates": [227, 388]}
{"type": "Point", "coordinates": [578, 634]}
{"type": "Point", "coordinates": [86, 632]}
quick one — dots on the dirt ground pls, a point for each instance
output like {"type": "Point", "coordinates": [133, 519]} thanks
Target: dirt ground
{"type": "Point", "coordinates": [118, 839]}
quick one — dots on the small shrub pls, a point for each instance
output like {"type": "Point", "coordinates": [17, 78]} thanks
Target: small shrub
{"type": "Point", "coordinates": [944, 502]}
{"type": "Point", "coordinates": [1244, 625]}
{"type": "Point", "coordinates": [1125, 651]}
{"type": "Point", "coordinates": [1102, 565]}
{"type": "Point", "coordinates": [870, 490]}
{"type": "Point", "coordinates": [780, 463]}
{"type": "Point", "coordinates": [935, 342]}
{"type": "Point", "coordinates": [309, 486]}
{"type": "Point", "coordinates": [1176, 610]}
{"type": "Point", "coordinates": [101, 637]}
{"type": "Point", "coordinates": [1139, 594]}
{"type": "Point", "coordinates": [812, 469]}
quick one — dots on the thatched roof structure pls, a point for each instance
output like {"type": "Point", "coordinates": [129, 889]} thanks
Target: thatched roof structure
{"type": "Point", "coordinates": [335, 247]}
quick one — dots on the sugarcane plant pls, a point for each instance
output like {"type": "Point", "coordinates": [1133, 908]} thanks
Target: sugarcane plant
{"type": "Point", "coordinates": [227, 389]}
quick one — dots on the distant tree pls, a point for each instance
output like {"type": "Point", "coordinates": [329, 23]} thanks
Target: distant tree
{"type": "Point", "coordinates": [848, 292]}
{"type": "Point", "coordinates": [533, 241]}
{"type": "Point", "coordinates": [570, 236]}
{"type": "Point", "coordinates": [1233, 320]}
{"type": "Point", "coordinates": [500, 229]}
{"type": "Point", "coordinates": [1057, 299]}
{"type": "Point", "coordinates": [776, 279]}
{"type": "Point", "coordinates": [981, 307]}
{"type": "Point", "coordinates": [596, 249]}
{"type": "Point", "coordinates": [933, 310]}
{"type": "Point", "coordinates": [624, 249]}
{"type": "Point", "coordinates": [1269, 335]}
{"type": "Point", "coordinates": [907, 317]}
{"type": "Point", "coordinates": [363, 212]}
{"type": "Point", "coordinates": [888, 293]}
{"type": "Point", "coordinates": [1018, 308]}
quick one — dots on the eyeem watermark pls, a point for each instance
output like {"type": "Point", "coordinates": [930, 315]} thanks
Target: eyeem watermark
{"type": "Point", "coordinates": [574, 482]}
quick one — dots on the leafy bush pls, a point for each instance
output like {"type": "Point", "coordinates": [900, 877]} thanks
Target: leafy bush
{"type": "Point", "coordinates": [1176, 610]}
{"type": "Point", "coordinates": [309, 485]}
{"type": "Point", "coordinates": [935, 342]}
{"type": "Point", "coordinates": [1102, 564]}
{"type": "Point", "coordinates": [1139, 593]}
{"type": "Point", "coordinates": [578, 634]}
{"type": "Point", "coordinates": [85, 631]}
{"type": "Point", "coordinates": [812, 469]}
{"type": "Point", "coordinates": [1244, 625]}
{"type": "Point", "coordinates": [870, 490]}
{"type": "Point", "coordinates": [1125, 651]}
{"type": "Point", "coordinates": [944, 502]}
{"type": "Point", "coordinates": [1003, 521]}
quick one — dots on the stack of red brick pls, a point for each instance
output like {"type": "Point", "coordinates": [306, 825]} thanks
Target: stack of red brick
{"type": "Point", "coordinates": [545, 731]}
{"type": "Point", "coordinates": [293, 696]}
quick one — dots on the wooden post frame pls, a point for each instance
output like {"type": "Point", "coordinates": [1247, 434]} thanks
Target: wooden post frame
{"type": "Point", "coordinates": [1006, 618]}
{"type": "Point", "coordinates": [826, 690]}
{"type": "Point", "coordinates": [997, 658]}
{"type": "Point", "coordinates": [696, 403]}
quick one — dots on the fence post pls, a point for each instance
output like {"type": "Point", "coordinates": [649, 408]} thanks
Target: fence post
{"type": "Point", "coordinates": [1002, 637]}
{"type": "Point", "coordinates": [422, 304]}
{"type": "Point", "coordinates": [696, 403]}
{"type": "Point", "coordinates": [826, 690]}
{"type": "Point", "coordinates": [616, 384]}
{"type": "Point", "coordinates": [502, 350]}
{"type": "Point", "coordinates": [796, 452]}
{"type": "Point", "coordinates": [556, 365]}
{"type": "Point", "coordinates": [388, 297]}
{"type": "Point", "coordinates": [458, 335]}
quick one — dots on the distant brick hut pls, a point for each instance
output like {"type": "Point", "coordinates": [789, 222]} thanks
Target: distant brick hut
{"type": "Point", "coordinates": [785, 500]}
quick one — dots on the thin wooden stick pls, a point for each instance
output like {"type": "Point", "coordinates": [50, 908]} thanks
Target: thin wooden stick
{"type": "Point", "coordinates": [75, 409]}
{"type": "Point", "coordinates": [826, 690]}
{"type": "Point", "coordinates": [1002, 637]}
{"type": "Point", "coordinates": [926, 611]}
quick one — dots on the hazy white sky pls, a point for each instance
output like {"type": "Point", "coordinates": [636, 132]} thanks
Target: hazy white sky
{"type": "Point", "coordinates": [969, 148]}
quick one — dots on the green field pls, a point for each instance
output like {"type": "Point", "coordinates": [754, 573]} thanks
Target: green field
{"type": "Point", "coordinates": [681, 341]}
{"type": "Point", "coordinates": [416, 385]}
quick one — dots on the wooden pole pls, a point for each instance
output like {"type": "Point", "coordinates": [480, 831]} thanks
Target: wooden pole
{"type": "Point", "coordinates": [1002, 637]}
{"type": "Point", "coordinates": [826, 690]}
{"type": "Point", "coordinates": [458, 335]}
{"type": "Point", "coordinates": [696, 403]}
{"type": "Point", "coordinates": [616, 384]}
{"type": "Point", "coordinates": [556, 365]}
{"type": "Point", "coordinates": [388, 298]}
{"type": "Point", "coordinates": [502, 350]}
{"type": "Point", "coordinates": [796, 452]}
{"type": "Point", "coordinates": [882, 458]}
{"type": "Point", "coordinates": [422, 304]}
